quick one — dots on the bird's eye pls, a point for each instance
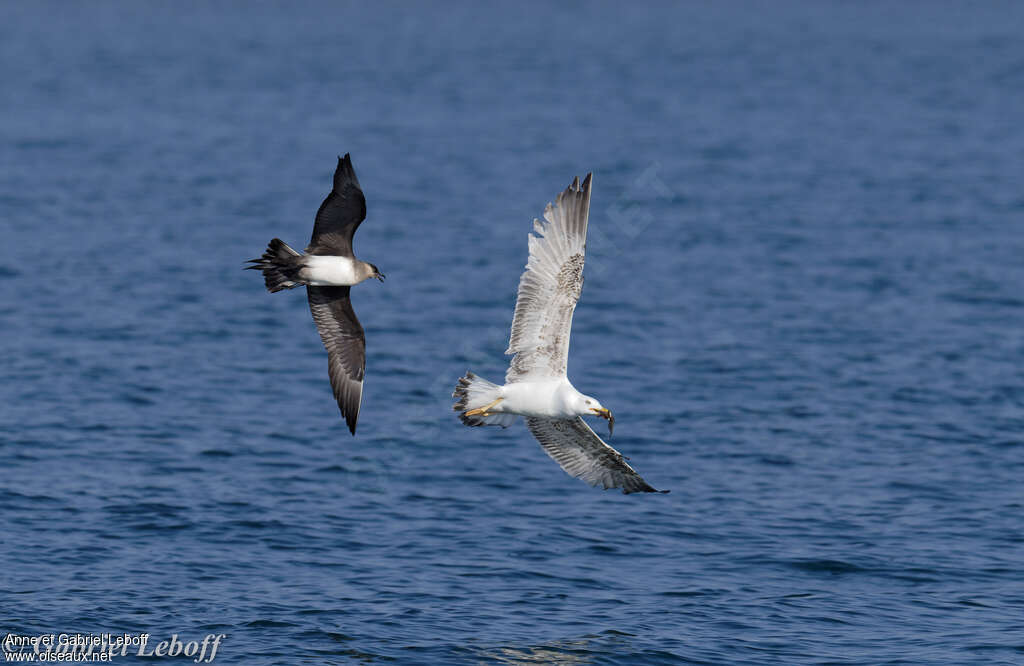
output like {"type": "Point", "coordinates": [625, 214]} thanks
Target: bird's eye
{"type": "Point", "coordinates": [588, 402]}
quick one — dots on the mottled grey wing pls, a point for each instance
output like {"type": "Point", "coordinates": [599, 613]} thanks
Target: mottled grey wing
{"type": "Point", "coordinates": [340, 214]}
{"type": "Point", "coordinates": [550, 287]}
{"type": "Point", "coordinates": [582, 454]}
{"type": "Point", "coordinates": [342, 335]}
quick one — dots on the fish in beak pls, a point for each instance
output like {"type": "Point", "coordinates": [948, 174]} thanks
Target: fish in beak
{"type": "Point", "coordinates": [605, 414]}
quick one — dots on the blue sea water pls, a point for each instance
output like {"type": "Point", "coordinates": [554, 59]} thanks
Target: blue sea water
{"type": "Point", "coordinates": [804, 303]}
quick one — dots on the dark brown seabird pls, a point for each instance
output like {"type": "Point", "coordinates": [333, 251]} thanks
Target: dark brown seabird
{"type": "Point", "coordinates": [328, 269]}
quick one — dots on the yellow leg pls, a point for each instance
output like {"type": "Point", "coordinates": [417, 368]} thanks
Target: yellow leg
{"type": "Point", "coordinates": [482, 411]}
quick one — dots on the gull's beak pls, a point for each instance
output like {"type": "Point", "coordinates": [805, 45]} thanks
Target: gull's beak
{"type": "Point", "coordinates": [605, 414]}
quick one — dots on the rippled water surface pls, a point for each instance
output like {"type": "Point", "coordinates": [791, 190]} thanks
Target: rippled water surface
{"type": "Point", "coordinates": [804, 304]}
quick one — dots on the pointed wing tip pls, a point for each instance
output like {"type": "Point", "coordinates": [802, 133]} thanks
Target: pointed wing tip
{"type": "Point", "coordinates": [575, 187]}
{"type": "Point", "coordinates": [350, 419]}
{"type": "Point", "coordinates": [345, 174]}
{"type": "Point", "coordinates": [349, 411]}
{"type": "Point", "coordinates": [646, 488]}
{"type": "Point", "coordinates": [344, 165]}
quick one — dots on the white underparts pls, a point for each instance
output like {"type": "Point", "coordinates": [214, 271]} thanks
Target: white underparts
{"type": "Point", "coordinates": [550, 398]}
{"type": "Point", "coordinates": [329, 271]}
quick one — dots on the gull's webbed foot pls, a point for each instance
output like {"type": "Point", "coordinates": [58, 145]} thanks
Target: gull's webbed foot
{"type": "Point", "coordinates": [482, 411]}
{"type": "Point", "coordinates": [606, 414]}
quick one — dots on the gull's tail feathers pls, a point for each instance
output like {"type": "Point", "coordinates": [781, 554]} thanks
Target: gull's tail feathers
{"type": "Point", "coordinates": [473, 393]}
{"type": "Point", "coordinates": [280, 265]}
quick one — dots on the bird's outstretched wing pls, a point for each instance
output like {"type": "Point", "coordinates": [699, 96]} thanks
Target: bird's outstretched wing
{"type": "Point", "coordinates": [582, 454]}
{"type": "Point", "coordinates": [550, 287]}
{"type": "Point", "coordinates": [340, 214]}
{"type": "Point", "coordinates": [342, 335]}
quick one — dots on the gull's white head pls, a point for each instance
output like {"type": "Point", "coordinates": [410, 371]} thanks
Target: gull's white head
{"type": "Point", "coordinates": [586, 405]}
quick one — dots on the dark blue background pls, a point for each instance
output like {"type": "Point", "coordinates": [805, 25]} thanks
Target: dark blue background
{"type": "Point", "coordinates": [804, 303]}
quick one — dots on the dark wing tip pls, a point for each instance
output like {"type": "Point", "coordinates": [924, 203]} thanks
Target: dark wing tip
{"type": "Point", "coordinates": [585, 193]}
{"type": "Point", "coordinates": [642, 487]}
{"type": "Point", "coordinates": [345, 174]}
{"type": "Point", "coordinates": [348, 411]}
{"type": "Point", "coordinates": [576, 188]}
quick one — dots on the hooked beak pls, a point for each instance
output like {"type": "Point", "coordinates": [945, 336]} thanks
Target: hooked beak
{"type": "Point", "coordinates": [605, 414]}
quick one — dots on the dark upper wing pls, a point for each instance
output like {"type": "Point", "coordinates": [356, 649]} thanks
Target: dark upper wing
{"type": "Point", "coordinates": [340, 214]}
{"type": "Point", "coordinates": [582, 454]}
{"type": "Point", "coordinates": [343, 337]}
